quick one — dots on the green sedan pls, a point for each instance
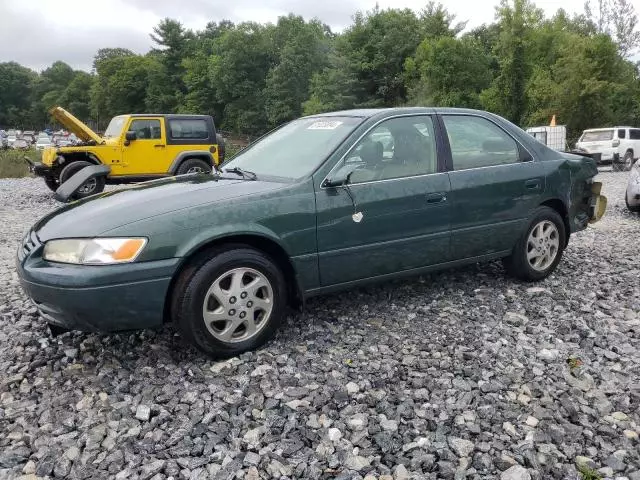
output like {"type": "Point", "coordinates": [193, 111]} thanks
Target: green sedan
{"type": "Point", "coordinates": [323, 203]}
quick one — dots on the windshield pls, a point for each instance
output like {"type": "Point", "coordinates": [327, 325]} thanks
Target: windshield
{"type": "Point", "coordinates": [115, 127]}
{"type": "Point", "coordinates": [597, 136]}
{"type": "Point", "coordinates": [297, 148]}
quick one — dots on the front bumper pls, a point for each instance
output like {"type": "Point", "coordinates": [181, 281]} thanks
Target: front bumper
{"type": "Point", "coordinates": [108, 298]}
{"type": "Point", "coordinates": [39, 169]}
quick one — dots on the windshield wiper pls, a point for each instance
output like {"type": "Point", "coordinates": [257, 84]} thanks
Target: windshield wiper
{"type": "Point", "coordinates": [243, 173]}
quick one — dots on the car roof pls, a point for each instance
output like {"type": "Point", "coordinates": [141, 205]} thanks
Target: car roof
{"type": "Point", "coordinates": [167, 115]}
{"type": "Point", "coordinates": [605, 128]}
{"type": "Point", "coordinates": [373, 112]}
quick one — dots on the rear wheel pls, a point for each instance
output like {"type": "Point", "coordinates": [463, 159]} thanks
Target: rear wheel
{"type": "Point", "coordinates": [627, 161]}
{"type": "Point", "coordinates": [230, 302]}
{"type": "Point", "coordinates": [91, 187]}
{"type": "Point", "coordinates": [538, 252]}
{"type": "Point", "coordinates": [193, 165]}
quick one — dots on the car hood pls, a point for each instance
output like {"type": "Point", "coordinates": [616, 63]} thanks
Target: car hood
{"type": "Point", "coordinates": [74, 125]}
{"type": "Point", "coordinates": [100, 213]}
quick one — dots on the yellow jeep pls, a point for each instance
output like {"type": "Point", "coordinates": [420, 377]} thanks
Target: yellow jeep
{"type": "Point", "coordinates": [134, 148]}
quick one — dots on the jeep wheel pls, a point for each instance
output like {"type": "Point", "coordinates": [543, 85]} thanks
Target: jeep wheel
{"type": "Point", "coordinates": [193, 165]}
{"type": "Point", "coordinates": [230, 302]}
{"type": "Point", "coordinates": [539, 250]}
{"type": "Point", "coordinates": [91, 187]}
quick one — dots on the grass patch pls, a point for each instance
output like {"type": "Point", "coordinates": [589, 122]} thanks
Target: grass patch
{"type": "Point", "coordinates": [587, 473]}
{"type": "Point", "coordinates": [12, 164]}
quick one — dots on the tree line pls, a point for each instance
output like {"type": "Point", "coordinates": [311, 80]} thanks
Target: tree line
{"type": "Point", "coordinates": [252, 77]}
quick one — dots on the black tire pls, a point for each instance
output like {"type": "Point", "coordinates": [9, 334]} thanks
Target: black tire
{"type": "Point", "coordinates": [633, 209]}
{"type": "Point", "coordinates": [92, 187]}
{"type": "Point", "coordinates": [51, 183]}
{"type": "Point", "coordinates": [191, 289]}
{"type": "Point", "coordinates": [193, 165]}
{"type": "Point", "coordinates": [222, 150]}
{"type": "Point", "coordinates": [517, 264]}
{"type": "Point", "coordinates": [627, 161]}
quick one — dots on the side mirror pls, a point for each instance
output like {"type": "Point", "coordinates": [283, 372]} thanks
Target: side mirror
{"type": "Point", "coordinates": [341, 176]}
{"type": "Point", "coordinates": [129, 136]}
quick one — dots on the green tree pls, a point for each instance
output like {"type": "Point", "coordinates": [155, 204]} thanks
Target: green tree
{"type": "Point", "coordinates": [448, 72]}
{"type": "Point", "coordinates": [301, 48]}
{"type": "Point", "coordinates": [174, 42]}
{"type": "Point", "coordinates": [16, 84]}
{"type": "Point", "coordinates": [239, 69]}
{"type": "Point", "coordinates": [507, 95]}
{"type": "Point", "coordinates": [76, 97]}
{"type": "Point", "coordinates": [334, 88]}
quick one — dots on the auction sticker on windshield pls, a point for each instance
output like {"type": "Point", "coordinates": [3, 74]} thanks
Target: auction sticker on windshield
{"type": "Point", "coordinates": [324, 125]}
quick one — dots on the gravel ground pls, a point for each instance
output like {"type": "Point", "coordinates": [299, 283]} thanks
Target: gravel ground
{"type": "Point", "coordinates": [463, 374]}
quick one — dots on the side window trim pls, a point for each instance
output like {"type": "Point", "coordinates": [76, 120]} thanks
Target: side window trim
{"type": "Point", "coordinates": [524, 154]}
{"type": "Point", "coordinates": [439, 144]}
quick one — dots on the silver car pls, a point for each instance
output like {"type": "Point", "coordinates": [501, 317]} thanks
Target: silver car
{"type": "Point", "coordinates": [43, 142]}
{"type": "Point", "coordinates": [632, 195]}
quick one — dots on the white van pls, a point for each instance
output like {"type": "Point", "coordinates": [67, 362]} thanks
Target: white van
{"type": "Point", "coordinates": [620, 142]}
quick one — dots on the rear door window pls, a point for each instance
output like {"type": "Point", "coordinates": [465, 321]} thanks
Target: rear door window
{"type": "Point", "coordinates": [476, 142]}
{"type": "Point", "coordinates": [622, 133]}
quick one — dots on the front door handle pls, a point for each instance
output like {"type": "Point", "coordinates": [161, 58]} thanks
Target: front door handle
{"type": "Point", "coordinates": [533, 184]}
{"type": "Point", "coordinates": [436, 198]}
{"type": "Point", "coordinates": [159, 146]}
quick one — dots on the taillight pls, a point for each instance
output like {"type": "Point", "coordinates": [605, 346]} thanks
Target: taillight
{"type": "Point", "coordinates": [615, 143]}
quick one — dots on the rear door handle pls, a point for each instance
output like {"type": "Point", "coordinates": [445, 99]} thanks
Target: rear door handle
{"type": "Point", "coordinates": [533, 184]}
{"type": "Point", "coordinates": [159, 146]}
{"type": "Point", "coordinates": [436, 198]}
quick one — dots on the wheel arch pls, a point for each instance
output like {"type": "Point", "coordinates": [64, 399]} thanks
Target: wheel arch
{"type": "Point", "coordinates": [183, 156]}
{"type": "Point", "coordinates": [259, 242]}
{"type": "Point", "coordinates": [560, 207]}
{"type": "Point", "coordinates": [75, 156]}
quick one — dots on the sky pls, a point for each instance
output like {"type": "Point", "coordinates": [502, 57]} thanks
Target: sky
{"type": "Point", "coordinates": [35, 33]}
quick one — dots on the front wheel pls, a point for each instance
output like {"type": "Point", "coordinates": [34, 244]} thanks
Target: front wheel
{"type": "Point", "coordinates": [538, 252]}
{"type": "Point", "coordinates": [230, 302]}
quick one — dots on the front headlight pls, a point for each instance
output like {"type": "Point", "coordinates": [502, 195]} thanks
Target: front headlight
{"type": "Point", "coordinates": [93, 251]}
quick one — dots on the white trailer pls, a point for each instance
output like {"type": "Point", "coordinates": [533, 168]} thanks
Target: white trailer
{"type": "Point", "coordinates": [552, 136]}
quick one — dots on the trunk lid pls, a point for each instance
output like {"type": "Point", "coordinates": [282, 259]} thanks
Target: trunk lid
{"type": "Point", "coordinates": [74, 125]}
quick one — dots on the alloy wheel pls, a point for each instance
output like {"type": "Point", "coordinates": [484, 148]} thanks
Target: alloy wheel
{"type": "Point", "coordinates": [543, 245]}
{"type": "Point", "coordinates": [88, 187]}
{"type": "Point", "coordinates": [238, 305]}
